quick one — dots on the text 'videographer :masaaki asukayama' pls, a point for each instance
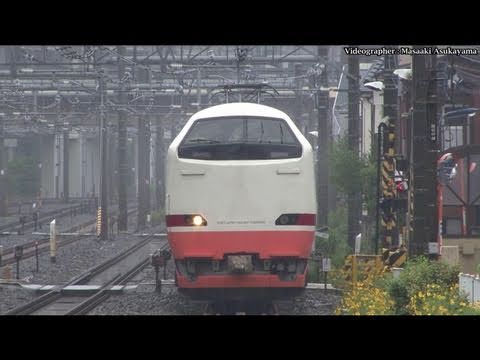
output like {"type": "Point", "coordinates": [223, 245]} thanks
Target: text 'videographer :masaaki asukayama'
{"type": "Point", "coordinates": [427, 50]}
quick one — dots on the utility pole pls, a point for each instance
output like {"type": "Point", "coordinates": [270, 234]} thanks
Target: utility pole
{"type": "Point", "coordinates": [323, 106]}
{"type": "Point", "coordinates": [3, 190]}
{"type": "Point", "coordinates": [199, 88]}
{"type": "Point", "coordinates": [112, 162]}
{"type": "Point", "coordinates": [103, 164]}
{"type": "Point", "coordinates": [173, 128]}
{"type": "Point", "coordinates": [422, 202]}
{"type": "Point", "coordinates": [354, 200]}
{"type": "Point", "coordinates": [57, 154]}
{"type": "Point", "coordinates": [298, 97]}
{"type": "Point", "coordinates": [142, 211]}
{"type": "Point", "coordinates": [160, 164]}
{"type": "Point", "coordinates": [122, 147]}
{"type": "Point", "coordinates": [146, 159]}
{"type": "Point", "coordinates": [65, 162]}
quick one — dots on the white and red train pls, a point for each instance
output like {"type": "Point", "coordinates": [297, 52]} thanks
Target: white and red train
{"type": "Point", "coordinates": [240, 202]}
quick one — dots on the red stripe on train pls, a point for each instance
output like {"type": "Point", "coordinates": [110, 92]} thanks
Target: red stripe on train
{"type": "Point", "coordinates": [306, 219]}
{"type": "Point", "coordinates": [239, 281]}
{"type": "Point", "coordinates": [215, 244]}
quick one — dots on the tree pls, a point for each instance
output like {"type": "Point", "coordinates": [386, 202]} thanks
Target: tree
{"type": "Point", "coordinates": [23, 176]}
{"type": "Point", "coordinates": [353, 174]}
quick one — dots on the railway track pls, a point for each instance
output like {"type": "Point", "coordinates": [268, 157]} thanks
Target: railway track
{"type": "Point", "coordinates": [115, 271]}
{"type": "Point", "coordinates": [16, 207]}
{"type": "Point", "coordinates": [45, 217]}
{"type": "Point", "coordinates": [43, 244]}
{"type": "Point", "coordinates": [259, 307]}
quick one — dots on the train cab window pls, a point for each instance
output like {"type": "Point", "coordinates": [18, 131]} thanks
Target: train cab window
{"type": "Point", "coordinates": [240, 138]}
{"type": "Point", "coordinates": [268, 131]}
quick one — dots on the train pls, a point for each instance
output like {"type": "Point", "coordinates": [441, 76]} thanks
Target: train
{"type": "Point", "coordinates": [240, 203]}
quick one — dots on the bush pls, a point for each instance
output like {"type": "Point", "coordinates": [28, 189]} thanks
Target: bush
{"type": "Point", "coordinates": [335, 246]}
{"type": "Point", "coordinates": [366, 299]}
{"type": "Point", "coordinates": [23, 176]}
{"type": "Point", "coordinates": [438, 300]}
{"type": "Point", "coordinates": [418, 274]}
{"type": "Point", "coordinates": [157, 217]}
{"type": "Point", "coordinates": [312, 275]}
{"type": "Point", "coordinates": [473, 309]}
{"type": "Point", "coordinates": [424, 287]}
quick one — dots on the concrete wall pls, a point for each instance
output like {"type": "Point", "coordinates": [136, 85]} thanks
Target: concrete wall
{"type": "Point", "coordinates": [48, 166]}
{"type": "Point", "coordinates": [366, 127]}
{"type": "Point", "coordinates": [92, 171]}
{"type": "Point", "coordinates": [75, 167]}
{"type": "Point", "coordinates": [469, 252]}
{"type": "Point", "coordinates": [135, 161]}
{"type": "Point", "coordinates": [91, 156]}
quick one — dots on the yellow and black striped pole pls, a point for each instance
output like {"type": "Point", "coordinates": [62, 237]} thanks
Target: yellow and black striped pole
{"type": "Point", "coordinates": [99, 220]}
{"type": "Point", "coordinates": [389, 220]}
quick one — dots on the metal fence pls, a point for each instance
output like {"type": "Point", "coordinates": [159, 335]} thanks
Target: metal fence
{"type": "Point", "coordinates": [470, 285]}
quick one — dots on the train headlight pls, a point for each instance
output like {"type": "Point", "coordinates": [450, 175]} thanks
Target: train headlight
{"type": "Point", "coordinates": [197, 220]}
{"type": "Point", "coordinates": [186, 220]}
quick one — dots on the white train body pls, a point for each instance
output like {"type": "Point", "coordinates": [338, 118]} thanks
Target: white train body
{"type": "Point", "coordinates": [240, 197]}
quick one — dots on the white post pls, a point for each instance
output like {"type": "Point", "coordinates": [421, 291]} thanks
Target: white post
{"type": "Point", "coordinates": [358, 243]}
{"type": "Point", "coordinates": [83, 157]}
{"type": "Point", "coordinates": [53, 241]}
{"type": "Point", "coordinates": [476, 289]}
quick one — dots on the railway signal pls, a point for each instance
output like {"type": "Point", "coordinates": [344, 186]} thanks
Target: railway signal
{"type": "Point", "coordinates": [18, 253]}
{"type": "Point", "coordinates": [36, 255]}
{"type": "Point", "coordinates": [158, 259]}
{"type": "Point", "coordinates": [35, 220]}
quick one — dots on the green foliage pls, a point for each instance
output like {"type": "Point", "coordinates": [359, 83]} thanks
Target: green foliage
{"type": "Point", "coordinates": [398, 291]}
{"type": "Point", "coordinates": [157, 217]}
{"type": "Point", "coordinates": [439, 300]}
{"type": "Point", "coordinates": [418, 274]}
{"type": "Point", "coordinates": [472, 310]}
{"type": "Point", "coordinates": [346, 168]}
{"type": "Point", "coordinates": [312, 275]}
{"type": "Point", "coordinates": [336, 245]}
{"type": "Point", "coordinates": [368, 175]}
{"type": "Point", "coordinates": [365, 298]}
{"type": "Point", "coordinates": [23, 176]}
{"type": "Point", "coordinates": [354, 175]}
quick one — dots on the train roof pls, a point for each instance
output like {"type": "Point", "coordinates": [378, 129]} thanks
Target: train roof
{"type": "Point", "coordinates": [239, 109]}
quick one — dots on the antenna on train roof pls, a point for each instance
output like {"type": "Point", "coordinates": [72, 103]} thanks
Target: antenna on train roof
{"type": "Point", "coordinates": [253, 90]}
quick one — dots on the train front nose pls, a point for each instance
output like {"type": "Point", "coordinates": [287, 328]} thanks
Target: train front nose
{"type": "Point", "coordinates": [248, 258]}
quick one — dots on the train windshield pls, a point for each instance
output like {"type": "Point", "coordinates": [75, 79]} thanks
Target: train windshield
{"type": "Point", "coordinates": [240, 138]}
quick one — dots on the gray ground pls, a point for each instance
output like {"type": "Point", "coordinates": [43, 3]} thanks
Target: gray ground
{"type": "Point", "coordinates": [76, 258]}
{"type": "Point", "coordinates": [71, 260]}
{"type": "Point", "coordinates": [147, 302]}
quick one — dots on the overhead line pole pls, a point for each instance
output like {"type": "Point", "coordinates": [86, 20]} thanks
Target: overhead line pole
{"type": "Point", "coordinates": [323, 106]}
{"type": "Point", "coordinates": [103, 165]}
{"type": "Point", "coordinates": [122, 224]}
{"type": "Point", "coordinates": [423, 216]}
{"type": "Point", "coordinates": [3, 190]}
{"type": "Point", "coordinates": [354, 200]}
